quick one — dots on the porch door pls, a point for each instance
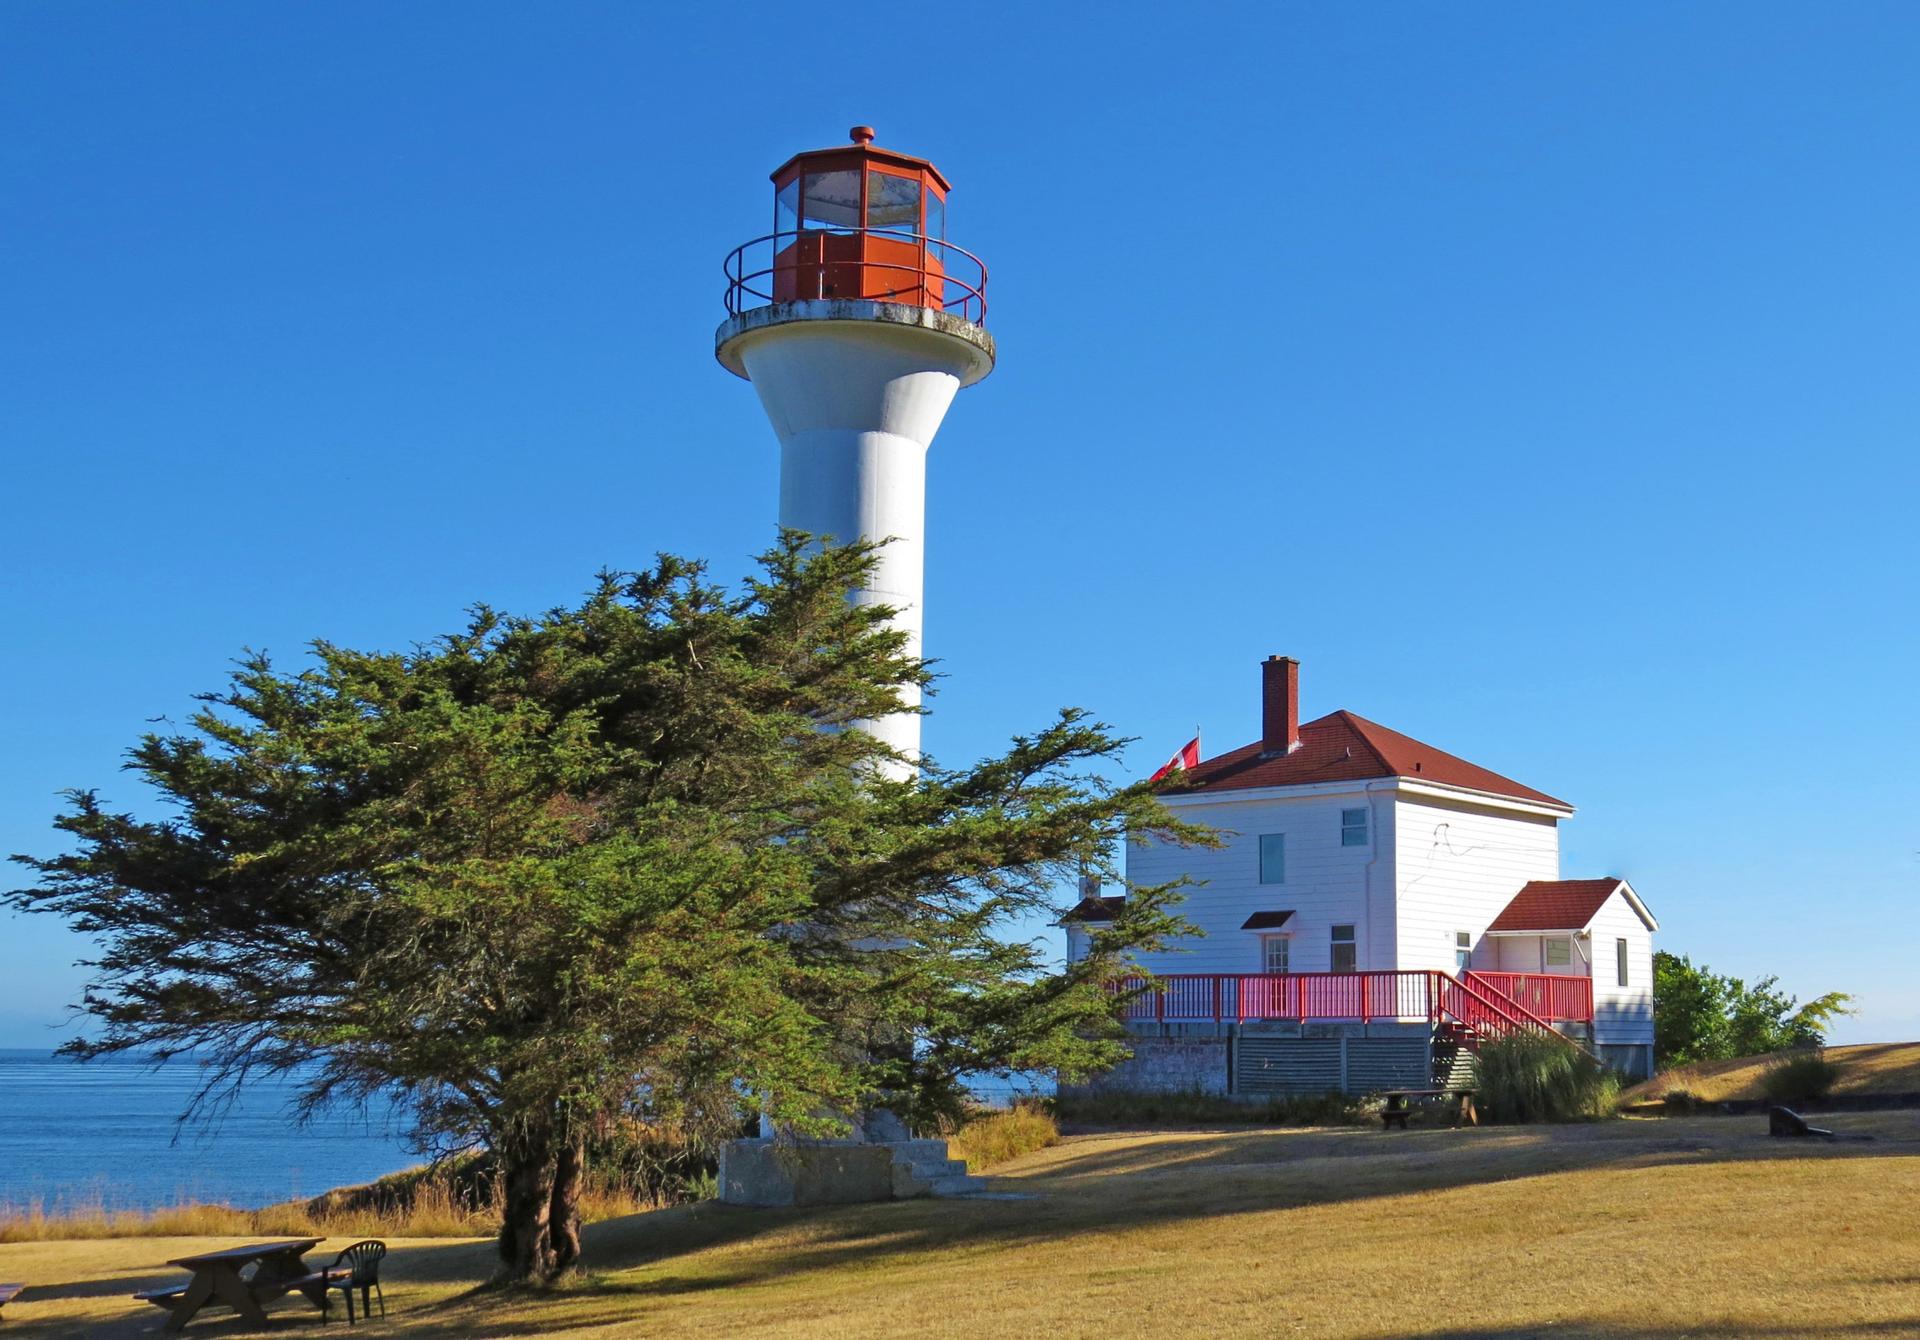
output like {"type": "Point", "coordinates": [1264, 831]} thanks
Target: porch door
{"type": "Point", "coordinates": [1560, 956]}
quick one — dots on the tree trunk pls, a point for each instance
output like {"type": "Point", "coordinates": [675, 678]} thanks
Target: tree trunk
{"type": "Point", "coordinates": [528, 1167]}
{"type": "Point", "coordinates": [563, 1217]}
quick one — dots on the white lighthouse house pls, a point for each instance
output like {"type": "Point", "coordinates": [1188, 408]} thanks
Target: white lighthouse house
{"type": "Point", "coordinates": [857, 321]}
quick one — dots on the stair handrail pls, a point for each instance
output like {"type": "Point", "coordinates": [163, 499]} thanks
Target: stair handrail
{"type": "Point", "coordinates": [1510, 1012]}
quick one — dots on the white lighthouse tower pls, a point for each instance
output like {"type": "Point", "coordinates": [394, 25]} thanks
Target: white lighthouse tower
{"type": "Point", "coordinates": [857, 321]}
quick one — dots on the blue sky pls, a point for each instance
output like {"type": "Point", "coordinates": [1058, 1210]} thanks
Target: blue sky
{"type": "Point", "coordinates": [1541, 376]}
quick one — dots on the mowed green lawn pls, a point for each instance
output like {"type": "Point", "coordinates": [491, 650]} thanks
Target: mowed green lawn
{"type": "Point", "coordinates": [1700, 1226]}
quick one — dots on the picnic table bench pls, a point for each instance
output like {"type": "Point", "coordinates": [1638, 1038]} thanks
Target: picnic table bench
{"type": "Point", "coordinates": [279, 1268]}
{"type": "Point", "coordinates": [1399, 1106]}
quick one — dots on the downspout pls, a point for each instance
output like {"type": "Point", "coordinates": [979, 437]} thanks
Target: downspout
{"type": "Point", "coordinates": [1373, 791]}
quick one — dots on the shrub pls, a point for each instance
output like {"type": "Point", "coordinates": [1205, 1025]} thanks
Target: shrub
{"type": "Point", "coordinates": [1139, 1107]}
{"type": "Point", "coordinates": [1526, 1077]}
{"type": "Point", "coordinates": [1801, 1076]}
{"type": "Point", "coordinates": [996, 1137]}
{"type": "Point", "coordinates": [1682, 1102]}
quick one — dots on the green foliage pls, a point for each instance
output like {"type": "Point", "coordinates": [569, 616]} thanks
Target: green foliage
{"type": "Point", "coordinates": [1525, 1077]}
{"type": "Point", "coordinates": [623, 860]}
{"type": "Point", "coordinates": [1142, 1107]}
{"type": "Point", "coordinates": [1700, 1015]}
{"type": "Point", "coordinates": [1804, 1075]}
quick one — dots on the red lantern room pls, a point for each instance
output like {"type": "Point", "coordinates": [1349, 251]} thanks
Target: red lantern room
{"type": "Point", "coordinates": [863, 223]}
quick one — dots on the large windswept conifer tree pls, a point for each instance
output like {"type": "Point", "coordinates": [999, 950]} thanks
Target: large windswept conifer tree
{"type": "Point", "coordinates": [627, 854]}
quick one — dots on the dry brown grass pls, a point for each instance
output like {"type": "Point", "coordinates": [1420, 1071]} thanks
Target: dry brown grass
{"type": "Point", "coordinates": [1698, 1226]}
{"type": "Point", "coordinates": [1867, 1068]}
{"type": "Point", "coordinates": [1000, 1137]}
{"type": "Point", "coordinates": [433, 1211]}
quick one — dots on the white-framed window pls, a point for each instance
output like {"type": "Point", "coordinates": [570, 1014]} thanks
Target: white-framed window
{"type": "Point", "coordinates": [1273, 858]}
{"type": "Point", "coordinates": [1559, 953]}
{"type": "Point", "coordinates": [1462, 950]}
{"type": "Point", "coordinates": [1345, 952]}
{"type": "Point", "coordinates": [1620, 961]}
{"type": "Point", "coordinates": [1353, 828]}
{"type": "Point", "coordinates": [1273, 953]}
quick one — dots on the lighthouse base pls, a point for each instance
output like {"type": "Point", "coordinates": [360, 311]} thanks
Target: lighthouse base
{"type": "Point", "coordinates": [779, 1173]}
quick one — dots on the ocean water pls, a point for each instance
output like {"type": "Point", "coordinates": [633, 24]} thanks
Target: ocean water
{"type": "Point", "coordinates": [107, 1134]}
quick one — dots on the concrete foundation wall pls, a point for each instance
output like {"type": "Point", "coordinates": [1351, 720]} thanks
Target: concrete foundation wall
{"type": "Point", "coordinates": [1276, 1059]}
{"type": "Point", "coordinates": [809, 1172]}
{"type": "Point", "coordinates": [1167, 1065]}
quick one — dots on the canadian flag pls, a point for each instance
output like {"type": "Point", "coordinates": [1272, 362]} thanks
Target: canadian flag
{"type": "Point", "coordinates": [1188, 757]}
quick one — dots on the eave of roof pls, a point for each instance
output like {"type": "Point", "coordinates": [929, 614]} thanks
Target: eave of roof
{"type": "Point", "coordinates": [1095, 909]}
{"type": "Point", "coordinates": [1564, 906]}
{"type": "Point", "coordinates": [1343, 747]}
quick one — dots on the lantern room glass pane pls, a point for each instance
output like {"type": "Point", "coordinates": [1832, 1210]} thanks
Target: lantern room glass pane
{"type": "Point", "coordinates": [786, 207]}
{"type": "Point", "coordinates": [936, 215]}
{"type": "Point", "coordinates": [831, 199]}
{"type": "Point", "coordinates": [893, 202]}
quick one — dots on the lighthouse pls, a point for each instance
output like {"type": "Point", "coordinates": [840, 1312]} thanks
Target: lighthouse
{"type": "Point", "coordinates": [857, 322]}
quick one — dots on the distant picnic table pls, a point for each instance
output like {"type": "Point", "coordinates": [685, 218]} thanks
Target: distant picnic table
{"type": "Point", "coordinates": [1399, 1106]}
{"type": "Point", "coordinates": [217, 1279]}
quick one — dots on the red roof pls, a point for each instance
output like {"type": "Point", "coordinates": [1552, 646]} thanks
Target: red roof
{"type": "Point", "coordinates": [1342, 747]}
{"type": "Point", "coordinates": [1555, 905]}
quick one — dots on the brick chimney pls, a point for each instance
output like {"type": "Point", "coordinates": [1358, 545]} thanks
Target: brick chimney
{"type": "Point", "coordinates": [1279, 705]}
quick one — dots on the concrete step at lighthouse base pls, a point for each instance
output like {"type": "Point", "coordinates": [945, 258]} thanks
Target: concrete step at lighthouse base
{"type": "Point", "coordinates": [924, 1168]}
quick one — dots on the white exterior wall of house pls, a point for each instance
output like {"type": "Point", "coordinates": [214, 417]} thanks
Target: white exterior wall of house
{"type": "Point", "coordinates": [1461, 862]}
{"type": "Point", "coordinates": [1326, 884]}
{"type": "Point", "coordinates": [1623, 1015]}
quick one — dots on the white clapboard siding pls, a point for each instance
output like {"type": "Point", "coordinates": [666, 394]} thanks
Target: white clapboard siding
{"type": "Point", "coordinates": [1326, 883]}
{"type": "Point", "coordinates": [1622, 1014]}
{"type": "Point", "coordinates": [1459, 864]}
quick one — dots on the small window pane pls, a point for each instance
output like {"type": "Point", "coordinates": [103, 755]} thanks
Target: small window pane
{"type": "Point", "coordinates": [1620, 960]}
{"type": "Point", "coordinates": [1464, 939]}
{"type": "Point", "coordinates": [936, 215]}
{"type": "Point", "coordinates": [1344, 954]}
{"type": "Point", "coordinates": [1353, 828]}
{"type": "Point", "coordinates": [893, 202]}
{"type": "Point", "coordinates": [1273, 858]}
{"type": "Point", "coordinates": [786, 208]}
{"type": "Point", "coordinates": [1462, 950]}
{"type": "Point", "coordinates": [831, 200]}
{"type": "Point", "coordinates": [1559, 953]}
{"type": "Point", "coordinates": [1273, 957]}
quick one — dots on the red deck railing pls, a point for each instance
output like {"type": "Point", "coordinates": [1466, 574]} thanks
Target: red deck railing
{"type": "Point", "coordinates": [1493, 1004]}
{"type": "Point", "coordinates": [1546, 994]}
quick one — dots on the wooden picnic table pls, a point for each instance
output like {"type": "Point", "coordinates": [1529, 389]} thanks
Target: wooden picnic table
{"type": "Point", "coordinates": [281, 1269]}
{"type": "Point", "coordinates": [1398, 1107]}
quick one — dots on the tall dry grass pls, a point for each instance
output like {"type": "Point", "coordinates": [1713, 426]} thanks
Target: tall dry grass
{"type": "Point", "coordinates": [999, 1137]}
{"type": "Point", "coordinates": [435, 1208]}
{"type": "Point", "coordinates": [1525, 1077]}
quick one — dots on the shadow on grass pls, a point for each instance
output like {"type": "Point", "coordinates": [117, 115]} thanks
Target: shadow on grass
{"type": "Point", "coordinates": [1091, 1185]}
{"type": "Point", "coordinates": [1560, 1329]}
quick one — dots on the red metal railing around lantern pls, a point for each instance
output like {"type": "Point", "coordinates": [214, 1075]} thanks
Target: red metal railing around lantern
{"type": "Point", "coordinates": [874, 264]}
{"type": "Point", "coordinates": [1236, 998]}
{"type": "Point", "coordinates": [1548, 995]}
